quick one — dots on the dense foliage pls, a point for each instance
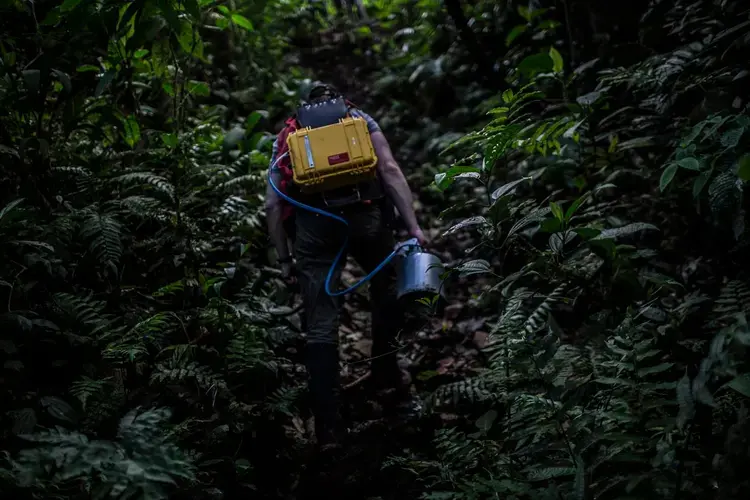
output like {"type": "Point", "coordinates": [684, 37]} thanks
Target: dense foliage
{"type": "Point", "coordinates": [581, 166]}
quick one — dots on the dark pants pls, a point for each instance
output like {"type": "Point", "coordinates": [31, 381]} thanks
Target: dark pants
{"type": "Point", "coordinates": [318, 240]}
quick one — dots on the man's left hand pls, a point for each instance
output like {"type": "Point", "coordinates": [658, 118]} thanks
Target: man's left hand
{"type": "Point", "coordinates": [289, 273]}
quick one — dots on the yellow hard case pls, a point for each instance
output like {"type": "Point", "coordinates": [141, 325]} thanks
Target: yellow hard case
{"type": "Point", "coordinates": [332, 156]}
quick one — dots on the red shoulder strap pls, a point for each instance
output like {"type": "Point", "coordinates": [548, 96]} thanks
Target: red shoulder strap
{"type": "Point", "coordinates": [291, 122]}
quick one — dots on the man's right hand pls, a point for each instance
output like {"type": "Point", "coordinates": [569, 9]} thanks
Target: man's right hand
{"type": "Point", "coordinates": [419, 235]}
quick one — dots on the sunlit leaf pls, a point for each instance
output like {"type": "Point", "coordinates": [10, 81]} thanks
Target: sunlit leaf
{"type": "Point", "coordinates": [131, 130]}
{"type": "Point", "coordinates": [242, 21]}
{"type": "Point", "coordinates": [557, 60]}
{"type": "Point", "coordinates": [507, 188]}
{"type": "Point", "coordinates": [198, 88]}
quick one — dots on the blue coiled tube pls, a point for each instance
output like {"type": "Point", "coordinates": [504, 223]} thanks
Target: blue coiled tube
{"type": "Point", "coordinates": [332, 270]}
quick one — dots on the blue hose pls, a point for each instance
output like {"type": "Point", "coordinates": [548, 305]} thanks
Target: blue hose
{"type": "Point", "coordinates": [332, 270]}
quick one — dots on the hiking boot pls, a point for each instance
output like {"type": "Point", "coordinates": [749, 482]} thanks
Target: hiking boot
{"type": "Point", "coordinates": [392, 386]}
{"type": "Point", "coordinates": [323, 370]}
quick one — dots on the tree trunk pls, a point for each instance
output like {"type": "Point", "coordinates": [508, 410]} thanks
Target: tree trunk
{"type": "Point", "coordinates": [482, 57]}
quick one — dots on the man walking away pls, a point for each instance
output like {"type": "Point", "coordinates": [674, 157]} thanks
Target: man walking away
{"type": "Point", "coordinates": [318, 239]}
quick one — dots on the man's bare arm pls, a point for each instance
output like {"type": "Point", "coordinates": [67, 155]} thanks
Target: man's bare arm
{"type": "Point", "coordinates": [395, 183]}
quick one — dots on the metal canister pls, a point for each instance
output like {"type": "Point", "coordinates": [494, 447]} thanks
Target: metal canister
{"type": "Point", "coordinates": [419, 273]}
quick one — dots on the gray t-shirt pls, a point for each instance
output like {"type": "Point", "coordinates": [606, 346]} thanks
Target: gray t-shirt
{"type": "Point", "coordinates": [372, 127]}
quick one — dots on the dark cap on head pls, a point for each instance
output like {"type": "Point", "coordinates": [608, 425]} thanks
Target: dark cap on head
{"type": "Point", "coordinates": [320, 91]}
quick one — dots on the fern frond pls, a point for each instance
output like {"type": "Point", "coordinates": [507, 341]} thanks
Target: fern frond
{"type": "Point", "coordinates": [171, 373]}
{"type": "Point", "coordinates": [143, 458]}
{"type": "Point", "coordinates": [84, 311]}
{"type": "Point", "coordinates": [87, 388]}
{"type": "Point", "coordinates": [133, 343]}
{"type": "Point", "coordinates": [104, 233]}
{"type": "Point", "coordinates": [155, 182]}
{"type": "Point", "coordinates": [283, 400]}
{"type": "Point", "coordinates": [470, 390]}
{"type": "Point", "coordinates": [247, 350]}
{"type": "Point", "coordinates": [733, 299]}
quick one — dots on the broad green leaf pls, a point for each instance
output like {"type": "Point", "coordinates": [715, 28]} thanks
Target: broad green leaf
{"type": "Point", "coordinates": [743, 171]}
{"type": "Point", "coordinates": [484, 423]}
{"type": "Point", "coordinates": [69, 5]}
{"type": "Point", "coordinates": [587, 233]}
{"type": "Point", "coordinates": [252, 120]}
{"type": "Point", "coordinates": [478, 266]}
{"type": "Point", "coordinates": [87, 68]}
{"type": "Point", "coordinates": [104, 82]}
{"type": "Point", "coordinates": [190, 41]}
{"type": "Point", "coordinates": [741, 384]}
{"type": "Point", "coordinates": [667, 176]}
{"type": "Point", "coordinates": [471, 221]}
{"type": "Point", "coordinates": [524, 12]}
{"type": "Point", "coordinates": [515, 33]}
{"type": "Point", "coordinates": [9, 207]}
{"type": "Point", "coordinates": [731, 138]}
{"type": "Point", "coordinates": [198, 88]}
{"type": "Point", "coordinates": [613, 144]}
{"type": "Point", "coordinates": [242, 21]}
{"type": "Point", "coordinates": [531, 65]}
{"type": "Point", "coordinates": [606, 249]}
{"type": "Point", "coordinates": [59, 409]}
{"type": "Point", "coordinates": [507, 98]}
{"type": "Point", "coordinates": [64, 80]}
{"type": "Point", "coordinates": [131, 131]}
{"type": "Point", "coordinates": [557, 211]}
{"type": "Point", "coordinates": [550, 225]}
{"type": "Point", "coordinates": [576, 204]}
{"type": "Point", "coordinates": [626, 230]}
{"type": "Point", "coordinates": [548, 25]}
{"type": "Point", "coordinates": [700, 182]}
{"type": "Point", "coordinates": [558, 240]}
{"type": "Point", "coordinates": [222, 22]}
{"type": "Point", "coordinates": [168, 88]}
{"type": "Point", "coordinates": [427, 375]}
{"type": "Point", "coordinates": [689, 163]}
{"type": "Point", "coordinates": [443, 180]}
{"type": "Point", "coordinates": [169, 140]}
{"type": "Point", "coordinates": [557, 60]}
{"type": "Point", "coordinates": [650, 370]}
{"type": "Point", "coordinates": [588, 100]}
{"type": "Point", "coordinates": [140, 53]}
{"type": "Point", "coordinates": [507, 188]}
